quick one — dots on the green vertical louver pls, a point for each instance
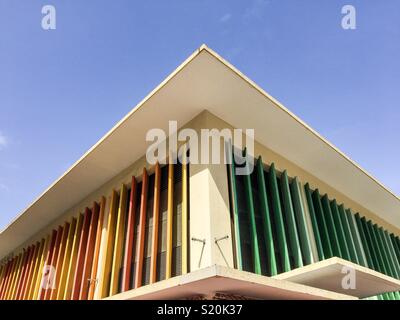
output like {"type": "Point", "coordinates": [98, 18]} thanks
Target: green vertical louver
{"type": "Point", "coordinates": [235, 207]}
{"type": "Point", "coordinates": [305, 240]}
{"type": "Point", "coordinates": [322, 226]}
{"type": "Point", "coordinates": [252, 219]}
{"type": "Point", "coordinates": [280, 224]}
{"type": "Point", "coordinates": [290, 222]}
{"type": "Point", "coordinates": [268, 236]}
{"type": "Point", "coordinates": [314, 222]}
{"type": "Point", "coordinates": [278, 219]}
{"type": "Point", "coordinates": [331, 227]}
{"type": "Point", "coordinates": [348, 234]}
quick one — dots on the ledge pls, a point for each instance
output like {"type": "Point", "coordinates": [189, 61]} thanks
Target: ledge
{"type": "Point", "coordinates": [328, 274]}
{"type": "Point", "coordinates": [217, 279]}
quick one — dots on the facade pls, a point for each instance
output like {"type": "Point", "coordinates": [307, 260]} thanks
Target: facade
{"type": "Point", "coordinates": [115, 226]}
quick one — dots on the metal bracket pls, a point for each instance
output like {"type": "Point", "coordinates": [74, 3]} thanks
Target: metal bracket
{"type": "Point", "coordinates": [219, 239]}
{"type": "Point", "coordinates": [93, 280]}
{"type": "Point", "coordinates": [203, 241]}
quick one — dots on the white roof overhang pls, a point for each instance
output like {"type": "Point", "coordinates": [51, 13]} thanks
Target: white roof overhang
{"type": "Point", "coordinates": [203, 81]}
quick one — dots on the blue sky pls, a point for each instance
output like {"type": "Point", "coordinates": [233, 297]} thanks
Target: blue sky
{"type": "Point", "coordinates": [62, 90]}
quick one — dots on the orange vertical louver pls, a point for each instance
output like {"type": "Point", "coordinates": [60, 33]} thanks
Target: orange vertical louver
{"type": "Point", "coordinates": [130, 233]}
{"type": "Point", "coordinates": [81, 255]}
{"type": "Point", "coordinates": [93, 277]}
{"type": "Point", "coordinates": [59, 260]}
{"type": "Point", "coordinates": [87, 266]}
{"type": "Point", "coordinates": [52, 265]}
{"type": "Point", "coordinates": [47, 262]}
{"type": "Point", "coordinates": [141, 232]}
{"type": "Point", "coordinates": [156, 210]}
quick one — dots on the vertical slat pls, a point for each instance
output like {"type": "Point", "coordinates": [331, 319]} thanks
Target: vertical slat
{"type": "Point", "coordinates": [170, 215]}
{"type": "Point", "coordinates": [252, 219]}
{"type": "Point", "coordinates": [396, 249]}
{"type": "Point", "coordinates": [88, 261]}
{"type": "Point", "coordinates": [4, 276]}
{"type": "Point", "coordinates": [356, 237]}
{"type": "Point", "coordinates": [10, 293]}
{"type": "Point", "coordinates": [395, 245]}
{"type": "Point", "coordinates": [304, 236]}
{"type": "Point", "coordinates": [368, 255]}
{"type": "Point", "coordinates": [7, 279]}
{"type": "Point", "coordinates": [54, 257]}
{"type": "Point", "coordinates": [368, 237]}
{"type": "Point", "coordinates": [31, 271]}
{"type": "Point", "coordinates": [392, 252]}
{"type": "Point", "coordinates": [340, 230]}
{"type": "Point", "coordinates": [96, 254]}
{"type": "Point", "coordinates": [1, 273]}
{"type": "Point", "coordinates": [267, 226]}
{"type": "Point", "coordinates": [379, 259]}
{"type": "Point", "coordinates": [278, 218]}
{"type": "Point", "coordinates": [385, 255]}
{"type": "Point", "coordinates": [4, 279]}
{"type": "Point", "coordinates": [384, 250]}
{"type": "Point", "coordinates": [156, 218]}
{"type": "Point", "coordinates": [20, 275]}
{"type": "Point", "coordinates": [235, 209]}
{"type": "Point", "coordinates": [73, 260]}
{"type": "Point", "coordinates": [24, 280]}
{"type": "Point", "coordinates": [314, 222]}
{"type": "Point", "coordinates": [60, 258]}
{"type": "Point", "coordinates": [322, 225]}
{"type": "Point", "coordinates": [119, 242]}
{"type": "Point", "coordinates": [142, 229]}
{"type": "Point", "coordinates": [364, 241]}
{"type": "Point", "coordinates": [81, 255]}
{"type": "Point", "coordinates": [49, 255]}
{"type": "Point", "coordinates": [11, 267]}
{"type": "Point", "coordinates": [66, 260]}
{"type": "Point", "coordinates": [109, 246]}
{"type": "Point", "coordinates": [38, 281]}
{"type": "Point", "coordinates": [349, 236]}
{"type": "Point", "coordinates": [376, 254]}
{"type": "Point", "coordinates": [185, 207]}
{"type": "Point", "coordinates": [12, 263]}
{"type": "Point", "coordinates": [36, 267]}
{"type": "Point", "coordinates": [23, 275]}
{"type": "Point", "coordinates": [331, 227]}
{"type": "Point", "coordinates": [290, 221]}
{"type": "Point", "coordinates": [16, 267]}
{"type": "Point", "coordinates": [130, 234]}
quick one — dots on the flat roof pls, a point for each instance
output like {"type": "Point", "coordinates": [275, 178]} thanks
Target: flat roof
{"type": "Point", "coordinates": [218, 279]}
{"type": "Point", "coordinates": [329, 274]}
{"type": "Point", "coordinates": [203, 81]}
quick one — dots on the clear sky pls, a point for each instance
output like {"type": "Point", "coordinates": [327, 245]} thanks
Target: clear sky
{"type": "Point", "coordinates": [61, 90]}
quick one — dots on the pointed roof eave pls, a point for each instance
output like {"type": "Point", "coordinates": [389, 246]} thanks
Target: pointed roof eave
{"type": "Point", "coordinates": [203, 81]}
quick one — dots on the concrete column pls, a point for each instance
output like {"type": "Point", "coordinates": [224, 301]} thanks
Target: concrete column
{"type": "Point", "coordinates": [210, 236]}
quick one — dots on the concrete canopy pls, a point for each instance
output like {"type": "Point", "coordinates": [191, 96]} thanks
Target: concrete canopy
{"type": "Point", "coordinates": [203, 81]}
{"type": "Point", "coordinates": [328, 275]}
{"type": "Point", "coordinates": [218, 279]}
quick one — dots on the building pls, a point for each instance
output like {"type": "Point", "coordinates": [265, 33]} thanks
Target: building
{"type": "Point", "coordinates": [116, 227]}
